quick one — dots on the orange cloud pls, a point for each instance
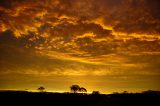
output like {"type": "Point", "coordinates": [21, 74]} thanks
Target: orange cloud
{"type": "Point", "coordinates": [103, 32]}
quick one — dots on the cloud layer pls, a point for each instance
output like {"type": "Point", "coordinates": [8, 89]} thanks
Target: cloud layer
{"type": "Point", "coordinates": [111, 36]}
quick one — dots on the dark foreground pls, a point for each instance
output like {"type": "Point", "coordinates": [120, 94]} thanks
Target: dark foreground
{"type": "Point", "coordinates": [21, 98]}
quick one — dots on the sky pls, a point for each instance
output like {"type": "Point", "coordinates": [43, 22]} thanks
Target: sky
{"type": "Point", "coordinates": [102, 45]}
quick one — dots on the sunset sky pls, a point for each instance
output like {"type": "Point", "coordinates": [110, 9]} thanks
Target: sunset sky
{"type": "Point", "coordinates": [103, 45]}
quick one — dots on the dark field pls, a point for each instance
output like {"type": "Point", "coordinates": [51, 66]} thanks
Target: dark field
{"type": "Point", "coordinates": [22, 98]}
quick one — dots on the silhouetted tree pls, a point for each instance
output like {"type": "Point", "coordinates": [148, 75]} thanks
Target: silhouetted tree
{"type": "Point", "coordinates": [125, 92]}
{"type": "Point", "coordinates": [41, 89]}
{"type": "Point", "coordinates": [83, 90]}
{"type": "Point", "coordinates": [96, 92]}
{"type": "Point", "coordinates": [75, 88]}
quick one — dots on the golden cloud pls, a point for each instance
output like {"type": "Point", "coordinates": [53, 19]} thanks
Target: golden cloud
{"type": "Point", "coordinates": [103, 32]}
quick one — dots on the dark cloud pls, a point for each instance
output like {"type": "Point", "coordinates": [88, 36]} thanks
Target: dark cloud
{"type": "Point", "coordinates": [83, 30]}
{"type": "Point", "coordinates": [17, 57]}
{"type": "Point", "coordinates": [14, 53]}
{"type": "Point", "coordinates": [135, 16]}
